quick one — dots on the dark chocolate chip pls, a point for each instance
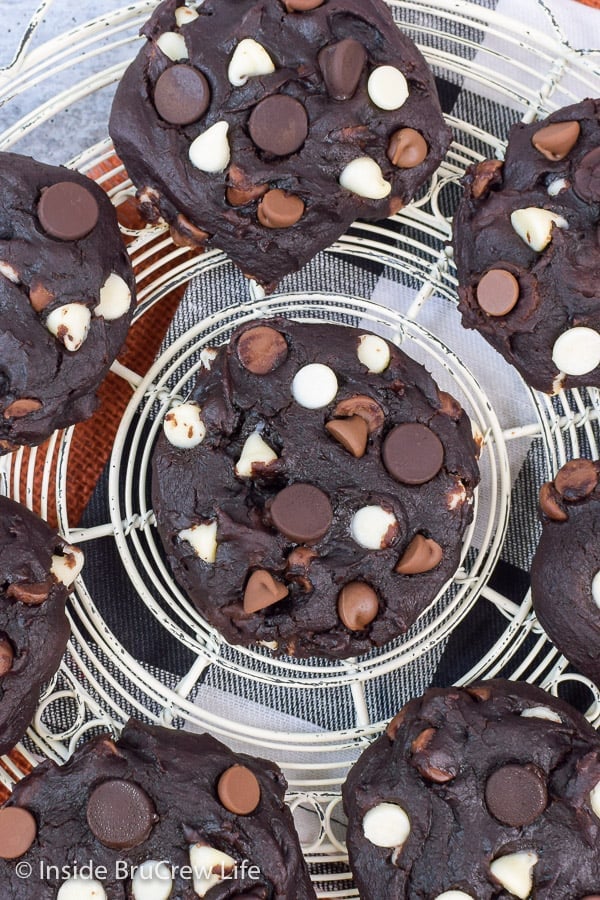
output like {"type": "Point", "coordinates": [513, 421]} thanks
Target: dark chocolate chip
{"type": "Point", "coordinates": [557, 140]}
{"type": "Point", "coordinates": [351, 433]}
{"type": "Point", "coordinates": [363, 406]}
{"type": "Point", "coordinates": [407, 148]}
{"type": "Point", "coordinates": [22, 407]}
{"type": "Point", "coordinates": [302, 513]}
{"type": "Point", "coordinates": [498, 292]}
{"type": "Point", "coordinates": [587, 177]}
{"type": "Point", "coordinates": [576, 480]}
{"type": "Point", "coordinates": [239, 790]}
{"type": "Point", "coordinates": [278, 125]}
{"type": "Point", "coordinates": [18, 830]}
{"type": "Point", "coordinates": [181, 95]}
{"type": "Point", "coordinates": [120, 814]}
{"type": "Point", "coordinates": [357, 605]}
{"type": "Point", "coordinates": [342, 65]}
{"type": "Point", "coordinates": [31, 594]}
{"type": "Point", "coordinates": [551, 503]}
{"type": "Point", "coordinates": [68, 211]}
{"type": "Point", "coordinates": [422, 555]}
{"type": "Point", "coordinates": [279, 210]}
{"type": "Point", "coordinates": [516, 795]}
{"type": "Point", "coordinates": [413, 453]}
{"type": "Point", "coordinates": [7, 655]}
{"type": "Point", "coordinates": [262, 349]}
{"type": "Point", "coordinates": [262, 590]}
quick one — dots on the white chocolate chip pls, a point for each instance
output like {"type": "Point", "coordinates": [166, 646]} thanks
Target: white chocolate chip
{"type": "Point", "coordinates": [9, 272]}
{"type": "Point", "coordinates": [314, 386]}
{"type": "Point", "coordinates": [202, 538]}
{"type": "Point", "coordinates": [541, 712]}
{"type": "Point", "coordinates": [70, 324]}
{"type": "Point", "coordinates": [115, 298]}
{"type": "Point", "coordinates": [363, 176]}
{"type": "Point", "coordinates": [255, 450]}
{"type": "Point", "coordinates": [534, 226]}
{"type": "Point", "coordinates": [67, 567]}
{"type": "Point", "coordinates": [152, 881]}
{"type": "Point", "coordinates": [386, 825]}
{"type": "Point", "coordinates": [207, 357]}
{"type": "Point", "coordinates": [183, 16]}
{"type": "Point", "coordinates": [373, 527]}
{"type": "Point", "coordinates": [374, 353]}
{"type": "Point", "coordinates": [387, 87]}
{"type": "Point", "coordinates": [577, 351]}
{"type": "Point", "coordinates": [456, 496]}
{"type": "Point", "coordinates": [557, 186]}
{"type": "Point", "coordinates": [596, 589]}
{"type": "Point", "coordinates": [80, 888]}
{"type": "Point", "coordinates": [515, 872]}
{"type": "Point", "coordinates": [271, 645]}
{"type": "Point", "coordinates": [183, 426]}
{"type": "Point", "coordinates": [205, 860]}
{"type": "Point", "coordinates": [595, 800]}
{"type": "Point", "coordinates": [173, 45]}
{"type": "Point", "coordinates": [210, 152]}
{"type": "Point", "coordinates": [454, 895]}
{"type": "Point", "coordinates": [249, 60]}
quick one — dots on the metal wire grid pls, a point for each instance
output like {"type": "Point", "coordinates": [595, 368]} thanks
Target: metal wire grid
{"type": "Point", "coordinates": [101, 682]}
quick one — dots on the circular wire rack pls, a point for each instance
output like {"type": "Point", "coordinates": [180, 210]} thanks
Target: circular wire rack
{"type": "Point", "coordinates": [522, 75]}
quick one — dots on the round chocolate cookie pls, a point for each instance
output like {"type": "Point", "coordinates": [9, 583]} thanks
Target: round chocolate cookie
{"type": "Point", "coordinates": [157, 814]}
{"type": "Point", "coordinates": [527, 253]}
{"type": "Point", "coordinates": [565, 573]}
{"type": "Point", "coordinates": [313, 491]}
{"type": "Point", "coordinates": [474, 793]}
{"type": "Point", "coordinates": [66, 297]}
{"type": "Point", "coordinates": [37, 569]}
{"type": "Point", "coordinates": [266, 129]}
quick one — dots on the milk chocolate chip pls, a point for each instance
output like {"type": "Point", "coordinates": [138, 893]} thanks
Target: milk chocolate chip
{"type": "Point", "coordinates": [22, 407]}
{"type": "Point", "coordinates": [407, 148]}
{"type": "Point", "coordinates": [7, 655]}
{"type": "Point", "coordinates": [262, 590]}
{"type": "Point", "coordinates": [498, 292]}
{"type": "Point", "coordinates": [557, 140]}
{"type": "Point", "coordinates": [357, 605]}
{"type": "Point", "coordinates": [422, 555]}
{"type": "Point", "coordinates": [239, 790]}
{"type": "Point", "coordinates": [18, 830]}
{"type": "Point", "coordinates": [351, 433]}
{"type": "Point", "coordinates": [280, 210]}
{"type": "Point", "coordinates": [261, 350]}
{"type": "Point", "coordinates": [576, 480]}
{"type": "Point", "coordinates": [550, 503]}
{"type": "Point", "coordinates": [302, 5]}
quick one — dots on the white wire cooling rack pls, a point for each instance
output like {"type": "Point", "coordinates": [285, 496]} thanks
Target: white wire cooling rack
{"type": "Point", "coordinates": [101, 683]}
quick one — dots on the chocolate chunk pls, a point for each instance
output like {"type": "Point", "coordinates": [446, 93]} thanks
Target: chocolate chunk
{"type": "Point", "coordinates": [7, 655]}
{"type": "Point", "coordinates": [351, 433]}
{"type": "Point", "coordinates": [576, 480]}
{"type": "Point", "coordinates": [413, 453]}
{"type": "Point", "coordinates": [587, 177]}
{"type": "Point", "coordinates": [363, 406]}
{"type": "Point", "coordinates": [67, 211]}
{"type": "Point", "coordinates": [22, 407]}
{"type": "Point", "coordinates": [262, 590]}
{"type": "Point", "coordinates": [18, 831]}
{"type": "Point", "coordinates": [302, 513]}
{"type": "Point", "coordinates": [239, 790]}
{"type": "Point", "coordinates": [278, 125]}
{"type": "Point", "coordinates": [302, 5]}
{"type": "Point", "coordinates": [280, 210]}
{"type": "Point", "coordinates": [357, 605]}
{"type": "Point", "coordinates": [262, 350]}
{"type": "Point", "coordinates": [498, 292]}
{"type": "Point", "coordinates": [40, 296]}
{"type": "Point", "coordinates": [516, 795]}
{"type": "Point", "coordinates": [31, 594]}
{"type": "Point", "coordinates": [181, 95]}
{"type": "Point", "coordinates": [557, 140]}
{"type": "Point", "coordinates": [342, 65]}
{"type": "Point", "coordinates": [120, 814]}
{"type": "Point", "coordinates": [422, 555]}
{"type": "Point", "coordinates": [407, 148]}
{"type": "Point", "coordinates": [550, 503]}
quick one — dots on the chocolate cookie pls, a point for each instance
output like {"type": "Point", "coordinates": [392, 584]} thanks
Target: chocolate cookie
{"type": "Point", "coordinates": [266, 128]}
{"type": "Point", "coordinates": [157, 814]}
{"type": "Point", "coordinates": [565, 573]}
{"type": "Point", "coordinates": [314, 490]}
{"type": "Point", "coordinates": [37, 568]}
{"type": "Point", "coordinates": [66, 297]}
{"type": "Point", "coordinates": [472, 793]}
{"type": "Point", "coordinates": [526, 249]}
